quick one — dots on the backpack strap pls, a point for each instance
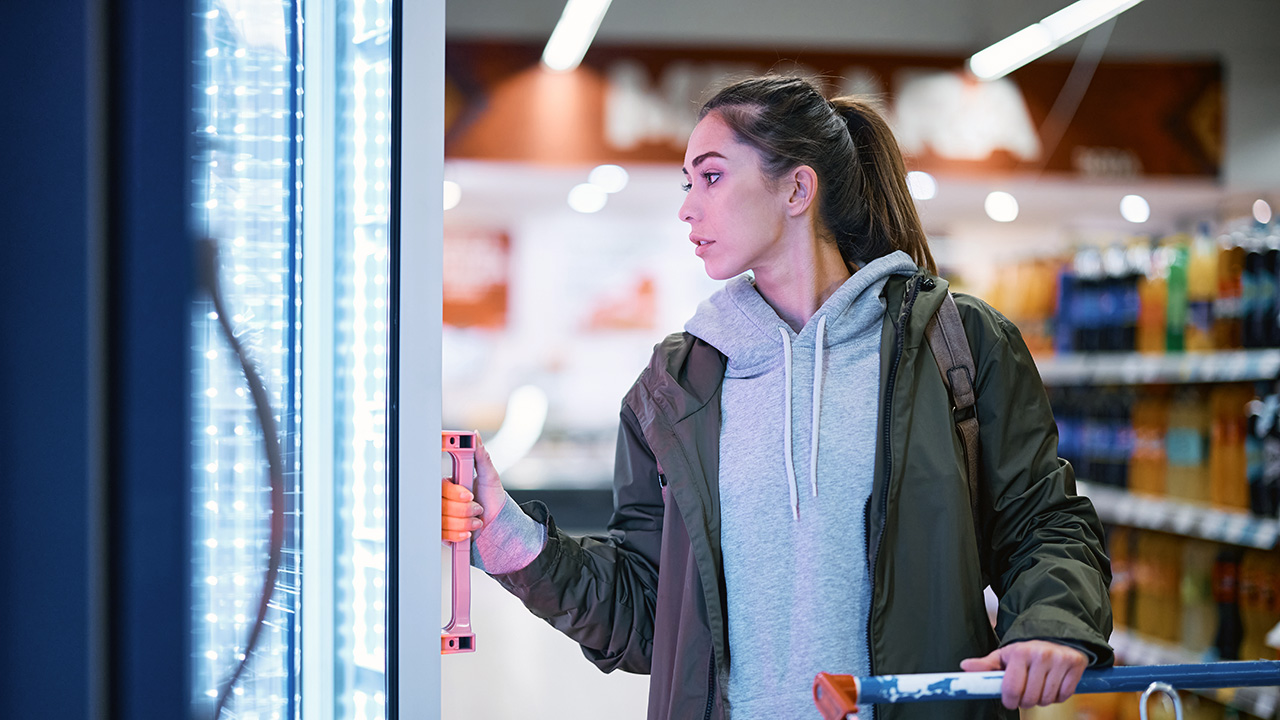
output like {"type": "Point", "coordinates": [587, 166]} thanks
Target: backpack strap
{"type": "Point", "coordinates": [950, 346]}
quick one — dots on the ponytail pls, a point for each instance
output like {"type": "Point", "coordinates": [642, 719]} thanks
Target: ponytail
{"type": "Point", "coordinates": [864, 203]}
{"type": "Point", "coordinates": [880, 180]}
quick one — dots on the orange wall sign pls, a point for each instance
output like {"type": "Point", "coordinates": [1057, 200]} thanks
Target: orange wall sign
{"type": "Point", "coordinates": [638, 104]}
{"type": "Point", "coordinates": [476, 278]}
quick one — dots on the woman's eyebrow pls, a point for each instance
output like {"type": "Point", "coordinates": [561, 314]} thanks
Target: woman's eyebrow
{"type": "Point", "coordinates": [701, 158]}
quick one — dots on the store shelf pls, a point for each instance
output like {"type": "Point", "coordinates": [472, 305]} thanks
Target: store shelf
{"type": "Point", "coordinates": [1139, 368]}
{"type": "Point", "coordinates": [1135, 649]}
{"type": "Point", "coordinates": [1233, 527]}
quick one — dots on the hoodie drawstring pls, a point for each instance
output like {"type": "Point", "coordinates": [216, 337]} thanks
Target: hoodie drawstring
{"type": "Point", "coordinates": [786, 424]}
{"type": "Point", "coordinates": [817, 413]}
{"type": "Point", "coordinates": [817, 404]}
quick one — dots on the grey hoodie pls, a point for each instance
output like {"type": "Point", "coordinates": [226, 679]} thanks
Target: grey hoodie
{"type": "Point", "coordinates": [797, 456]}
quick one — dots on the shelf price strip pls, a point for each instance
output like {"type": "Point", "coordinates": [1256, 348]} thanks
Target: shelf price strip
{"type": "Point", "coordinates": [1188, 519]}
{"type": "Point", "coordinates": [1136, 368]}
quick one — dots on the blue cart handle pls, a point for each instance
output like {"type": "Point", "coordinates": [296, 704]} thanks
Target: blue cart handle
{"type": "Point", "coordinates": [838, 695]}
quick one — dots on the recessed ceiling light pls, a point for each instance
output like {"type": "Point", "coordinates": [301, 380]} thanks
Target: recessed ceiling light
{"type": "Point", "coordinates": [1135, 209]}
{"type": "Point", "coordinates": [922, 185]}
{"type": "Point", "coordinates": [587, 198]}
{"type": "Point", "coordinates": [1262, 211]}
{"type": "Point", "coordinates": [1001, 206]}
{"type": "Point", "coordinates": [609, 178]}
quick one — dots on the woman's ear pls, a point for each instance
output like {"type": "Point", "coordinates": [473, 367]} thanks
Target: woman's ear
{"type": "Point", "coordinates": [803, 184]}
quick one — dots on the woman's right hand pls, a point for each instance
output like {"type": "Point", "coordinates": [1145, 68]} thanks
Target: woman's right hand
{"type": "Point", "coordinates": [463, 512]}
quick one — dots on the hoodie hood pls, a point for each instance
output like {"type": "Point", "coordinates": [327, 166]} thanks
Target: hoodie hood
{"type": "Point", "coordinates": [738, 322]}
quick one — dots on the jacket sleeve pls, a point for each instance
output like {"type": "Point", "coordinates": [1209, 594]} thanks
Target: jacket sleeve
{"type": "Point", "coordinates": [600, 590]}
{"type": "Point", "coordinates": [1046, 557]}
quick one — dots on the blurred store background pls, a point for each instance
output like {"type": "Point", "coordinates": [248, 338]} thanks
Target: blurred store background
{"type": "Point", "coordinates": [1115, 198]}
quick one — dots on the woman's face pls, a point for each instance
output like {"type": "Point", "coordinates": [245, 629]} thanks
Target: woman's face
{"type": "Point", "coordinates": [736, 215]}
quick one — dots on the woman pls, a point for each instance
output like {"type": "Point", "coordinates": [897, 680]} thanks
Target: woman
{"type": "Point", "coordinates": [790, 493]}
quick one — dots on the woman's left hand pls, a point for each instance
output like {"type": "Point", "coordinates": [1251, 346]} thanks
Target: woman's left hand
{"type": "Point", "coordinates": [1036, 672]}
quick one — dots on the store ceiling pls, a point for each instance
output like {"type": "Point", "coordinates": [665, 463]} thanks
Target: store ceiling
{"type": "Point", "coordinates": [1165, 28]}
{"type": "Point", "coordinates": [1240, 32]}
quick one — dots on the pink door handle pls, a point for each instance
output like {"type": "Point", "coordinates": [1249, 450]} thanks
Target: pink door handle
{"type": "Point", "coordinates": [456, 637]}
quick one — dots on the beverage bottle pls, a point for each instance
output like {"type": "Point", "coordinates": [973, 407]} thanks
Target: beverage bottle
{"type": "Point", "coordinates": [1122, 437]}
{"type": "Point", "coordinates": [1111, 300]}
{"type": "Point", "coordinates": [1168, 586]}
{"type": "Point", "coordinates": [1140, 458]}
{"type": "Point", "coordinates": [1113, 439]}
{"type": "Point", "coordinates": [1093, 437]}
{"type": "Point", "coordinates": [1226, 595]}
{"type": "Point", "coordinates": [1137, 257]}
{"type": "Point", "coordinates": [1199, 614]}
{"type": "Point", "coordinates": [1268, 287]}
{"type": "Point", "coordinates": [1227, 483]}
{"type": "Point", "coordinates": [1143, 564]}
{"type": "Point", "coordinates": [1119, 543]}
{"type": "Point", "coordinates": [1202, 289]}
{"type": "Point", "coordinates": [1254, 331]}
{"type": "Point", "coordinates": [1253, 610]}
{"type": "Point", "coordinates": [1216, 454]}
{"type": "Point", "coordinates": [1237, 460]}
{"type": "Point", "coordinates": [1087, 313]}
{"type": "Point", "coordinates": [1228, 326]}
{"type": "Point", "coordinates": [1149, 465]}
{"type": "Point", "coordinates": [1270, 603]}
{"type": "Point", "coordinates": [1186, 445]}
{"type": "Point", "coordinates": [1153, 299]}
{"type": "Point", "coordinates": [1269, 494]}
{"type": "Point", "coordinates": [1256, 430]}
{"type": "Point", "coordinates": [1063, 323]}
{"type": "Point", "coordinates": [1176, 308]}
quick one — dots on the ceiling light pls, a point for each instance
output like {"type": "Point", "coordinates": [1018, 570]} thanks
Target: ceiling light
{"type": "Point", "coordinates": [1261, 211]}
{"type": "Point", "coordinates": [587, 198]}
{"type": "Point", "coordinates": [1135, 209]}
{"type": "Point", "coordinates": [922, 185]}
{"type": "Point", "coordinates": [609, 178]}
{"type": "Point", "coordinates": [573, 34]}
{"type": "Point", "coordinates": [1031, 42]}
{"type": "Point", "coordinates": [452, 194]}
{"type": "Point", "coordinates": [1001, 207]}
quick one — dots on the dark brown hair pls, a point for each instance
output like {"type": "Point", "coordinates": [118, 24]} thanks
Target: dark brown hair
{"type": "Point", "coordinates": [863, 202]}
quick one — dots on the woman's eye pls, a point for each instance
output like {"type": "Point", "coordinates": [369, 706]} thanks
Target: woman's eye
{"type": "Point", "coordinates": [686, 186]}
{"type": "Point", "coordinates": [711, 177]}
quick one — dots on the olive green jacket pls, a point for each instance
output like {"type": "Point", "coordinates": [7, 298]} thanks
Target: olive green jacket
{"type": "Point", "coordinates": [1041, 544]}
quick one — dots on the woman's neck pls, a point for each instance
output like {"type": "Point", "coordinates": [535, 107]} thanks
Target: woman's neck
{"type": "Point", "coordinates": [798, 285]}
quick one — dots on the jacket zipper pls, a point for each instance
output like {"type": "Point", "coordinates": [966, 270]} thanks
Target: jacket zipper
{"type": "Point", "coordinates": [711, 685]}
{"type": "Point", "coordinates": [888, 457]}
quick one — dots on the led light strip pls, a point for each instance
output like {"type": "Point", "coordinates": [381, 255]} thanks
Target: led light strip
{"type": "Point", "coordinates": [1032, 42]}
{"type": "Point", "coordinates": [573, 34]}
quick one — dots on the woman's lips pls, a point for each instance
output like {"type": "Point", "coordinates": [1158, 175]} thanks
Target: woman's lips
{"type": "Point", "coordinates": [701, 243]}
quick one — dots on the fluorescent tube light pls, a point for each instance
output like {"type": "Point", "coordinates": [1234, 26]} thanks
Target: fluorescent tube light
{"type": "Point", "coordinates": [573, 34]}
{"type": "Point", "coordinates": [1031, 42]}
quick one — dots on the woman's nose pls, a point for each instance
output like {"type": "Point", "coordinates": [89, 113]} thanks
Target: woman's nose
{"type": "Point", "coordinates": [686, 208]}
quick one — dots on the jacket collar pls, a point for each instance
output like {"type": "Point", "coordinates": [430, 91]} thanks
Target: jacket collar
{"type": "Point", "coordinates": [927, 301]}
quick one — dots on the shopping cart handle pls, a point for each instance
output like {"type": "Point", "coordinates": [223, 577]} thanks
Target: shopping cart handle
{"type": "Point", "coordinates": [837, 696]}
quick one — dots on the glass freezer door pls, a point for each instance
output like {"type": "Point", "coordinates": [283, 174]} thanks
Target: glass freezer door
{"type": "Point", "coordinates": [291, 179]}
